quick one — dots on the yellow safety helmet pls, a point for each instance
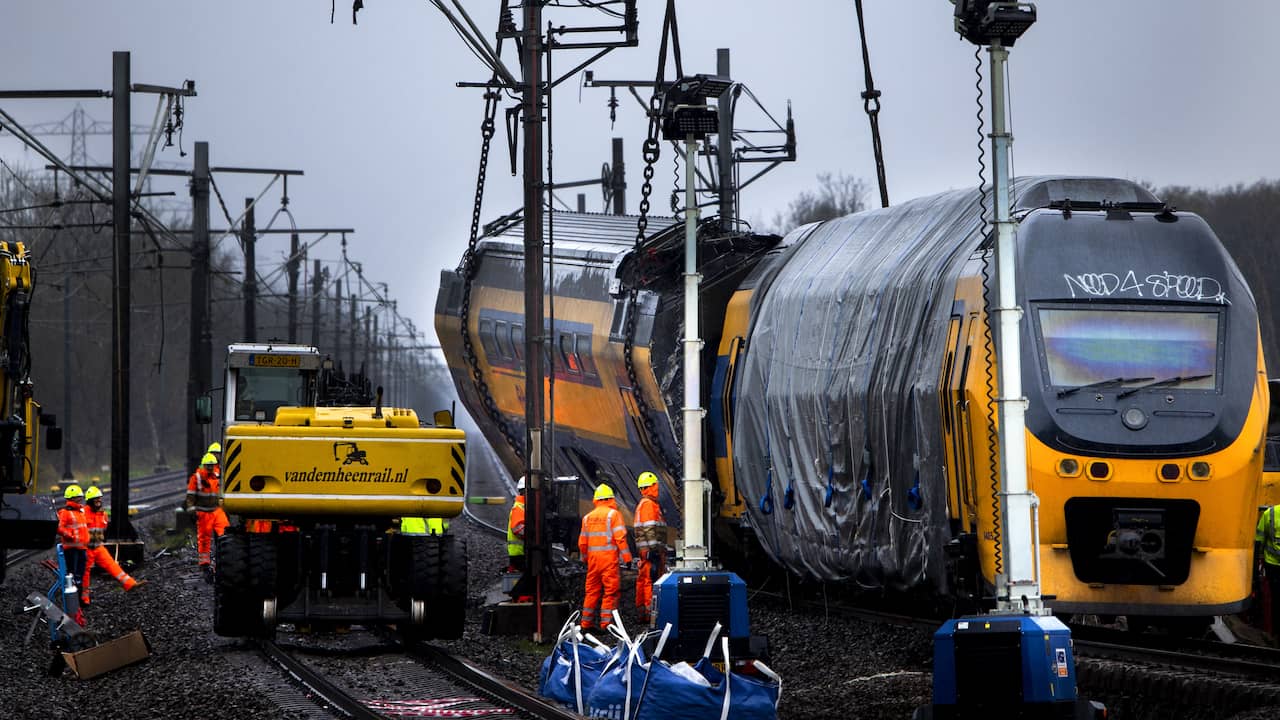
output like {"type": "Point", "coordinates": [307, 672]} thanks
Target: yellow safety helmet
{"type": "Point", "coordinates": [604, 492]}
{"type": "Point", "coordinates": [208, 459]}
{"type": "Point", "coordinates": [92, 492]}
{"type": "Point", "coordinates": [215, 448]}
{"type": "Point", "coordinates": [74, 491]}
{"type": "Point", "coordinates": [646, 479]}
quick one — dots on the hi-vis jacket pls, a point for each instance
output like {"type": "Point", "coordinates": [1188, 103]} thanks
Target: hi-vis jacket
{"type": "Point", "coordinates": [603, 535]}
{"type": "Point", "coordinates": [1268, 534]}
{"type": "Point", "coordinates": [202, 490]}
{"type": "Point", "coordinates": [73, 527]}
{"type": "Point", "coordinates": [515, 528]}
{"type": "Point", "coordinates": [97, 520]}
{"type": "Point", "coordinates": [651, 529]}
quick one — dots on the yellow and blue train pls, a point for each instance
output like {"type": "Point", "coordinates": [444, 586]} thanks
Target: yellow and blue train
{"type": "Point", "coordinates": [849, 374]}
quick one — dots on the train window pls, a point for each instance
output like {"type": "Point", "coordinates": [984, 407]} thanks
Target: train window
{"type": "Point", "coordinates": [486, 338]}
{"type": "Point", "coordinates": [1271, 457]}
{"type": "Point", "coordinates": [582, 348]}
{"type": "Point", "coordinates": [1083, 346]}
{"type": "Point", "coordinates": [502, 338]}
{"type": "Point", "coordinates": [572, 364]}
{"type": "Point", "coordinates": [618, 328]}
{"type": "Point", "coordinates": [517, 341]}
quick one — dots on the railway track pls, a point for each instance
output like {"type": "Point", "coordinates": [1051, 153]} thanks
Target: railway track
{"type": "Point", "coordinates": [160, 487]}
{"type": "Point", "coordinates": [433, 683]}
{"type": "Point", "coordinates": [1202, 673]}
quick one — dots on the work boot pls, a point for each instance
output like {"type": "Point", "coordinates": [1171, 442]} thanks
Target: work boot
{"type": "Point", "coordinates": [207, 570]}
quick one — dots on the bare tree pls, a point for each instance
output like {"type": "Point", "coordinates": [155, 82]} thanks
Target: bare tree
{"type": "Point", "coordinates": [836, 195]}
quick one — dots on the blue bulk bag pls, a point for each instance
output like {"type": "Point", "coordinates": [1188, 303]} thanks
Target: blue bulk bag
{"type": "Point", "coordinates": [702, 691]}
{"type": "Point", "coordinates": [616, 694]}
{"type": "Point", "coordinates": [571, 670]}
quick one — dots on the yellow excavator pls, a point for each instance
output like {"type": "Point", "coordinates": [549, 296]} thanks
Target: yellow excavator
{"type": "Point", "coordinates": [26, 520]}
{"type": "Point", "coordinates": [316, 474]}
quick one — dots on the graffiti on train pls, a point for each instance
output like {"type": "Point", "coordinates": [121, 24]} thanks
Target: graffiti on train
{"type": "Point", "coordinates": [1164, 285]}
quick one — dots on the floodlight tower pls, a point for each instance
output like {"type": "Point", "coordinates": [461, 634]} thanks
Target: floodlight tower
{"type": "Point", "coordinates": [683, 596]}
{"type": "Point", "coordinates": [1016, 660]}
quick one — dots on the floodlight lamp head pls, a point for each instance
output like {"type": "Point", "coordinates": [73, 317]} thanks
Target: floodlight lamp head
{"type": "Point", "coordinates": [684, 107]}
{"type": "Point", "coordinates": [984, 22]}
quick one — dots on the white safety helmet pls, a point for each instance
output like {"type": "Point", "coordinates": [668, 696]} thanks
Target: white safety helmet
{"type": "Point", "coordinates": [520, 484]}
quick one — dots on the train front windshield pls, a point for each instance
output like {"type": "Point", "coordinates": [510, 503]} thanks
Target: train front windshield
{"type": "Point", "coordinates": [259, 392]}
{"type": "Point", "coordinates": [1098, 345]}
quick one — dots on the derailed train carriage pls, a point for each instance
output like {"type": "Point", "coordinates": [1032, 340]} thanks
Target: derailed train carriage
{"type": "Point", "coordinates": [611, 302]}
{"type": "Point", "coordinates": [850, 423]}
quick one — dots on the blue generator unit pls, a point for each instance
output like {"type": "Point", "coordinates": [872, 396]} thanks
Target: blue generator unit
{"type": "Point", "coordinates": [1005, 666]}
{"type": "Point", "coordinates": [693, 602]}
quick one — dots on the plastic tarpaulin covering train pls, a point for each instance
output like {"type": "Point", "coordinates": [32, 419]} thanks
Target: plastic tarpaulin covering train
{"type": "Point", "coordinates": [838, 394]}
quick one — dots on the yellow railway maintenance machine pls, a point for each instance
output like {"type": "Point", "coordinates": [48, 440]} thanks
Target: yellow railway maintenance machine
{"type": "Point", "coordinates": [26, 520]}
{"type": "Point", "coordinates": [316, 478]}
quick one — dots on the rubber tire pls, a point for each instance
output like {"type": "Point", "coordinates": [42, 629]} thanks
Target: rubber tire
{"type": "Point", "coordinates": [447, 608]}
{"type": "Point", "coordinates": [262, 564]}
{"type": "Point", "coordinates": [438, 577]}
{"type": "Point", "coordinates": [237, 603]}
{"type": "Point", "coordinates": [230, 580]}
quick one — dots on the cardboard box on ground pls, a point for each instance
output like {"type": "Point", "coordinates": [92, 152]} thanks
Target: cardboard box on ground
{"type": "Point", "coordinates": [124, 650]}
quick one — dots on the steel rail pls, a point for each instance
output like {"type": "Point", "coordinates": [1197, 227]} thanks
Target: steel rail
{"type": "Point", "coordinates": [508, 693]}
{"type": "Point", "coordinates": [325, 693]}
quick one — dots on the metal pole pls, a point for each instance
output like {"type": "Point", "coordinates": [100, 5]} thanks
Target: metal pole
{"type": "Point", "coordinates": [317, 286]}
{"type": "Point", "coordinates": [199, 364]}
{"type": "Point", "coordinates": [248, 235]}
{"type": "Point", "coordinates": [375, 352]}
{"type": "Point", "coordinates": [66, 379]}
{"type": "Point", "coordinates": [337, 322]}
{"type": "Point", "coordinates": [531, 113]}
{"type": "Point", "coordinates": [724, 142]}
{"type": "Point", "coordinates": [619, 179]}
{"type": "Point", "coordinates": [354, 327]}
{"type": "Point", "coordinates": [1018, 589]}
{"type": "Point", "coordinates": [294, 265]}
{"type": "Point", "coordinates": [120, 527]}
{"type": "Point", "coordinates": [365, 357]}
{"type": "Point", "coordinates": [695, 553]}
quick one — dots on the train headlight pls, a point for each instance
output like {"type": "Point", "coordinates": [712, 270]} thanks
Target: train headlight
{"type": "Point", "coordinates": [1069, 467]}
{"type": "Point", "coordinates": [1099, 470]}
{"type": "Point", "coordinates": [1134, 418]}
{"type": "Point", "coordinates": [1200, 470]}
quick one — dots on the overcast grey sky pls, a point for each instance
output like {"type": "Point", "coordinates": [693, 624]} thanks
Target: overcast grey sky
{"type": "Point", "coordinates": [1167, 91]}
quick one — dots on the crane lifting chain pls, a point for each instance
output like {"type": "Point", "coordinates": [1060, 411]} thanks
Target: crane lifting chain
{"type": "Point", "coordinates": [491, 97]}
{"type": "Point", "coordinates": [871, 104]}
{"type": "Point", "coordinates": [651, 151]}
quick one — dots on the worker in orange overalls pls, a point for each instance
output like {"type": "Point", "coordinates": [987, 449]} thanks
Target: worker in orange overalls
{"type": "Point", "coordinates": [73, 531]}
{"type": "Point", "coordinates": [202, 493]}
{"type": "Point", "coordinates": [603, 537]}
{"type": "Point", "coordinates": [651, 542]}
{"type": "Point", "coordinates": [98, 554]}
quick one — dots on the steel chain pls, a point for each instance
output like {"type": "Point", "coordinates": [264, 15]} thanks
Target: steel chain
{"type": "Point", "coordinates": [491, 98]}
{"type": "Point", "coordinates": [651, 151]}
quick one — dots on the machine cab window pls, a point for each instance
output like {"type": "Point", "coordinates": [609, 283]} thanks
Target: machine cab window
{"type": "Point", "coordinates": [261, 379]}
